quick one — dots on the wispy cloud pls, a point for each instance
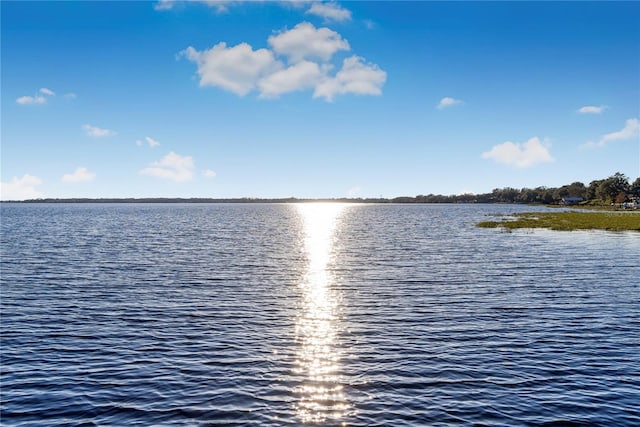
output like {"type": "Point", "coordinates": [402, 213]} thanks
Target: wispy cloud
{"type": "Point", "coordinates": [631, 130]}
{"type": "Point", "coordinates": [70, 95]}
{"type": "Point", "coordinates": [447, 101]}
{"type": "Point", "coordinates": [26, 100]}
{"type": "Point", "coordinates": [308, 52]}
{"type": "Point", "coordinates": [39, 98]}
{"type": "Point", "coordinates": [330, 11]}
{"type": "Point", "coordinates": [21, 188]}
{"type": "Point", "coordinates": [221, 6]}
{"type": "Point", "coordinates": [149, 141]}
{"type": "Point", "coordinates": [164, 5]}
{"type": "Point", "coordinates": [152, 142]}
{"type": "Point", "coordinates": [208, 173]}
{"type": "Point", "coordinates": [173, 167]}
{"type": "Point", "coordinates": [97, 132]}
{"type": "Point", "coordinates": [592, 109]}
{"type": "Point", "coordinates": [353, 191]}
{"type": "Point", "coordinates": [520, 155]}
{"type": "Point", "coordinates": [81, 174]}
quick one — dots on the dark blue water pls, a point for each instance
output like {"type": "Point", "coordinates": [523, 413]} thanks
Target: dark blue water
{"type": "Point", "coordinates": [286, 314]}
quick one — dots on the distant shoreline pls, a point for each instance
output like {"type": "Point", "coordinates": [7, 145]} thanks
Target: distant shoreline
{"type": "Point", "coordinates": [443, 200]}
{"type": "Point", "coordinates": [198, 200]}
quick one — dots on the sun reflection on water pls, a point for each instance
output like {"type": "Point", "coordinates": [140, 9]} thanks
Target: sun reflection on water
{"type": "Point", "coordinates": [321, 396]}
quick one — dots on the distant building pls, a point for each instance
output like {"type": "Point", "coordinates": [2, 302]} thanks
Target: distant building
{"type": "Point", "coordinates": [568, 201]}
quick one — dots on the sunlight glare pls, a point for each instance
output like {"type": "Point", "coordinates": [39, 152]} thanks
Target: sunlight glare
{"type": "Point", "coordinates": [321, 395]}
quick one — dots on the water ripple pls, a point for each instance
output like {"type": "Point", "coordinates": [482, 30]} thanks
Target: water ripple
{"type": "Point", "coordinates": [241, 315]}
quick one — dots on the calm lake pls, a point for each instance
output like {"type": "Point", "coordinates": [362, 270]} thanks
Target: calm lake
{"type": "Point", "coordinates": [325, 314]}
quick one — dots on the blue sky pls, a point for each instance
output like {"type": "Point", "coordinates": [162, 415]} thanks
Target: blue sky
{"type": "Point", "coordinates": [315, 99]}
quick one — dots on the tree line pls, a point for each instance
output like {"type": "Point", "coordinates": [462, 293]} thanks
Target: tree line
{"type": "Point", "coordinates": [614, 189]}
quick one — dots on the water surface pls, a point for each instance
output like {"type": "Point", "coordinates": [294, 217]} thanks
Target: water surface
{"type": "Point", "coordinates": [318, 314]}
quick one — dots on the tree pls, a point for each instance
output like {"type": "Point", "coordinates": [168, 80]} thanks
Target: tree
{"type": "Point", "coordinates": [527, 195]}
{"type": "Point", "coordinates": [610, 188]}
{"type": "Point", "coordinates": [592, 189]}
{"type": "Point", "coordinates": [545, 195]}
{"type": "Point", "coordinates": [561, 192]}
{"type": "Point", "coordinates": [635, 187]}
{"type": "Point", "coordinates": [576, 189]}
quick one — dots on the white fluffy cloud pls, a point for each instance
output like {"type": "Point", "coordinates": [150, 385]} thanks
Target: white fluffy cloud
{"type": "Point", "coordinates": [592, 109]}
{"type": "Point", "coordinates": [355, 77]}
{"type": "Point", "coordinates": [20, 188]}
{"type": "Point", "coordinates": [330, 11]}
{"type": "Point", "coordinates": [305, 49]}
{"type": "Point", "coordinates": [521, 155]}
{"type": "Point", "coordinates": [237, 68]}
{"type": "Point", "coordinates": [630, 130]}
{"type": "Point", "coordinates": [305, 41]}
{"type": "Point", "coordinates": [300, 76]}
{"type": "Point", "coordinates": [447, 101]}
{"type": "Point", "coordinates": [209, 173]}
{"type": "Point", "coordinates": [47, 92]}
{"type": "Point", "coordinates": [173, 167]}
{"type": "Point", "coordinates": [97, 132]}
{"type": "Point", "coordinates": [81, 174]}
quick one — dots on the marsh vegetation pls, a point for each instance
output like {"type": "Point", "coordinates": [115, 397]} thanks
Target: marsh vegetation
{"type": "Point", "coordinates": [569, 220]}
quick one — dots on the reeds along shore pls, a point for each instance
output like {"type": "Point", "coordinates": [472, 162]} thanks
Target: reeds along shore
{"type": "Point", "coordinates": [570, 220]}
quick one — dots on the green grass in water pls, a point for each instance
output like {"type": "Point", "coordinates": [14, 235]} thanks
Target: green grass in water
{"type": "Point", "coordinates": [569, 220]}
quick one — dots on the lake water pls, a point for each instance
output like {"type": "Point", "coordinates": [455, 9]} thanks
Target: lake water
{"type": "Point", "coordinates": [324, 314]}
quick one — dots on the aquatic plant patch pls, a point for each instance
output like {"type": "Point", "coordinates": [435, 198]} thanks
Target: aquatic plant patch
{"type": "Point", "coordinates": [569, 220]}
